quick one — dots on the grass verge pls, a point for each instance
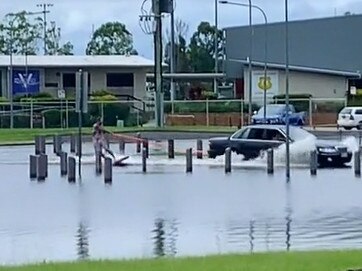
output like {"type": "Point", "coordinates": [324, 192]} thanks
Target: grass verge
{"type": "Point", "coordinates": [293, 261]}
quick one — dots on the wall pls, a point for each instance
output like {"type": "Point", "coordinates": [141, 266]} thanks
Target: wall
{"type": "Point", "coordinates": [98, 80]}
{"type": "Point", "coordinates": [318, 85]}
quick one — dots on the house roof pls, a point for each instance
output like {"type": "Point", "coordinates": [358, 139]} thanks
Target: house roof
{"type": "Point", "coordinates": [132, 61]}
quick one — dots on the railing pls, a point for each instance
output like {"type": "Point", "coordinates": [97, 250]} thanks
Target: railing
{"type": "Point", "coordinates": [56, 114]}
{"type": "Point", "coordinates": [318, 111]}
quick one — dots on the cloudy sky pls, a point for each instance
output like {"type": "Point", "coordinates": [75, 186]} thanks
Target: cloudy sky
{"type": "Point", "coordinates": [78, 17]}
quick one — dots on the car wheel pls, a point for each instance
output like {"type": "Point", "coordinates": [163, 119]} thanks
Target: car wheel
{"type": "Point", "coordinates": [300, 123]}
{"type": "Point", "coordinates": [359, 126]}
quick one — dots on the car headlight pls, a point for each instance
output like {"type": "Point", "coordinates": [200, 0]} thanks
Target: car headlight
{"type": "Point", "coordinates": [327, 149]}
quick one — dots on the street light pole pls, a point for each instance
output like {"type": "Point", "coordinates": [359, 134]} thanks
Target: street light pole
{"type": "Point", "coordinates": [250, 62]}
{"type": "Point", "coordinates": [45, 11]}
{"type": "Point", "coordinates": [216, 46]}
{"type": "Point", "coordinates": [287, 159]}
{"type": "Point", "coordinates": [265, 45]}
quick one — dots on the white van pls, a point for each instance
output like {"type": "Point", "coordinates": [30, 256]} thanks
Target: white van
{"type": "Point", "coordinates": [350, 117]}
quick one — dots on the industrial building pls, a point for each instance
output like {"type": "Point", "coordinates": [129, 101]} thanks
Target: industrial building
{"type": "Point", "coordinates": [324, 57]}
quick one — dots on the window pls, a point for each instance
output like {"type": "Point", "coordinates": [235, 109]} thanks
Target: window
{"type": "Point", "coordinates": [358, 112]}
{"type": "Point", "coordinates": [120, 80]}
{"type": "Point", "coordinates": [274, 135]}
{"type": "Point", "coordinates": [51, 85]}
{"type": "Point", "coordinates": [256, 133]}
{"type": "Point", "coordinates": [69, 80]}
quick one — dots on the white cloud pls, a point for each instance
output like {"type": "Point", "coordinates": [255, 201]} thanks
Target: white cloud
{"type": "Point", "coordinates": [76, 17]}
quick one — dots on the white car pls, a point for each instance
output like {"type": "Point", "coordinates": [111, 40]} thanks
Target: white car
{"type": "Point", "coordinates": [350, 117]}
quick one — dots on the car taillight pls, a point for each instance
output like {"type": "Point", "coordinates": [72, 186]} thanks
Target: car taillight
{"type": "Point", "coordinates": [351, 117]}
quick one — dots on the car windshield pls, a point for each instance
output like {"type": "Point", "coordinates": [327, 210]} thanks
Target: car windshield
{"type": "Point", "coordinates": [296, 133]}
{"type": "Point", "coordinates": [272, 110]}
{"type": "Point", "coordinates": [346, 111]}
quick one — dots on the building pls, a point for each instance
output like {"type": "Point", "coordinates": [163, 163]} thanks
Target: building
{"type": "Point", "coordinates": [324, 57]}
{"type": "Point", "coordinates": [122, 75]}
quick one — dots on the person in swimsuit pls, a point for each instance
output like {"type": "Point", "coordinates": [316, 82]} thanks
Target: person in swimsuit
{"type": "Point", "coordinates": [99, 141]}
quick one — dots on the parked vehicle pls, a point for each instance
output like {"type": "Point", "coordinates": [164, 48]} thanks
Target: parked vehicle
{"type": "Point", "coordinates": [350, 117]}
{"type": "Point", "coordinates": [252, 140]}
{"type": "Point", "coordinates": [276, 114]}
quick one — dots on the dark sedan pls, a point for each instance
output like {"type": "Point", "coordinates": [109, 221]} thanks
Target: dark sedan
{"type": "Point", "coordinates": [251, 141]}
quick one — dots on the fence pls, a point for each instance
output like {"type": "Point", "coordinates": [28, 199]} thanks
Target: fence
{"type": "Point", "coordinates": [61, 114]}
{"type": "Point", "coordinates": [318, 111]}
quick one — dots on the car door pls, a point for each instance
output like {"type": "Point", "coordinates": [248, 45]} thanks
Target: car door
{"type": "Point", "coordinates": [249, 143]}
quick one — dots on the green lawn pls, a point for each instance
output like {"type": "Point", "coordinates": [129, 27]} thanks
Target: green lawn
{"type": "Point", "coordinates": [295, 261]}
{"type": "Point", "coordinates": [8, 136]}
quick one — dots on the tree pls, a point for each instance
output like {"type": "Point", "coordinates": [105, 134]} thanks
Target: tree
{"type": "Point", "coordinates": [182, 63]}
{"type": "Point", "coordinates": [111, 38]}
{"type": "Point", "coordinates": [20, 33]}
{"type": "Point", "coordinates": [202, 49]}
{"type": "Point", "coordinates": [53, 42]}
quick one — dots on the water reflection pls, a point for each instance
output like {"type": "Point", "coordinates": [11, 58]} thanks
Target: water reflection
{"type": "Point", "coordinates": [164, 236]}
{"type": "Point", "coordinates": [288, 220]}
{"type": "Point", "coordinates": [82, 241]}
{"type": "Point", "coordinates": [251, 235]}
{"type": "Point", "coordinates": [159, 238]}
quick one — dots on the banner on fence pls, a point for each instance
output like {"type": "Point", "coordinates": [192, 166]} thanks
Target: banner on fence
{"type": "Point", "coordinates": [271, 84]}
{"type": "Point", "coordinates": [26, 81]}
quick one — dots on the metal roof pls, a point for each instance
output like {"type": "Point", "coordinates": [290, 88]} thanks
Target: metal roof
{"type": "Point", "coordinates": [332, 43]}
{"type": "Point", "coordinates": [300, 68]}
{"type": "Point", "coordinates": [125, 61]}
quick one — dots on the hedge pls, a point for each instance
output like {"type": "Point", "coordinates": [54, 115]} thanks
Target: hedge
{"type": "Point", "coordinates": [214, 107]}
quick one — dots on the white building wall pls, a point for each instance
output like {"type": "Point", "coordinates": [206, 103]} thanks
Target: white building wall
{"type": "Point", "coordinates": [316, 84]}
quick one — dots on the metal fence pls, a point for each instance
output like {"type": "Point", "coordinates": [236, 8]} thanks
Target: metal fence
{"type": "Point", "coordinates": [318, 111]}
{"type": "Point", "coordinates": [61, 114]}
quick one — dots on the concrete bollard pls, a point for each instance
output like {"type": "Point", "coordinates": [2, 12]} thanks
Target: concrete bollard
{"type": "Point", "coordinates": [138, 146]}
{"type": "Point", "coordinates": [145, 146]}
{"type": "Point", "coordinates": [63, 163]}
{"type": "Point", "coordinates": [227, 160]}
{"type": "Point", "coordinates": [357, 164]}
{"type": "Point", "coordinates": [40, 147]}
{"type": "Point", "coordinates": [72, 143]}
{"type": "Point", "coordinates": [122, 146]}
{"type": "Point", "coordinates": [189, 160]}
{"type": "Point", "coordinates": [98, 164]}
{"type": "Point", "coordinates": [270, 161]}
{"type": "Point", "coordinates": [144, 160]}
{"type": "Point", "coordinates": [199, 149]}
{"type": "Point", "coordinates": [57, 144]}
{"type": "Point", "coordinates": [71, 170]}
{"type": "Point", "coordinates": [108, 170]}
{"type": "Point", "coordinates": [313, 162]}
{"type": "Point", "coordinates": [33, 166]}
{"type": "Point", "coordinates": [171, 149]}
{"type": "Point", "coordinates": [41, 167]}
{"type": "Point", "coordinates": [78, 148]}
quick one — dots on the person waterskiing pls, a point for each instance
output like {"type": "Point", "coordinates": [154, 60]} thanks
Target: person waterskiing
{"type": "Point", "coordinates": [99, 141]}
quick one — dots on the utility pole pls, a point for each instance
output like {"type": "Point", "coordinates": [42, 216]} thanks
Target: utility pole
{"type": "Point", "coordinates": [158, 63]}
{"type": "Point", "coordinates": [216, 46]}
{"type": "Point", "coordinates": [287, 159]}
{"type": "Point", "coordinates": [45, 7]}
{"type": "Point", "coordinates": [172, 57]}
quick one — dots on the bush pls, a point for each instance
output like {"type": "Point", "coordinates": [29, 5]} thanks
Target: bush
{"type": "Point", "coordinates": [214, 107]}
{"type": "Point", "coordinates": [22, 121]}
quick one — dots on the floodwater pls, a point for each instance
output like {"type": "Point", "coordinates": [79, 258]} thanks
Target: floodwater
{"type": "Point", "coordinates": [167, 212]}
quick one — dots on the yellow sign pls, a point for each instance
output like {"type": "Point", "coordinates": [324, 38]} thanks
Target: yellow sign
{"type": "Point", "coordinates": [265, 83]}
